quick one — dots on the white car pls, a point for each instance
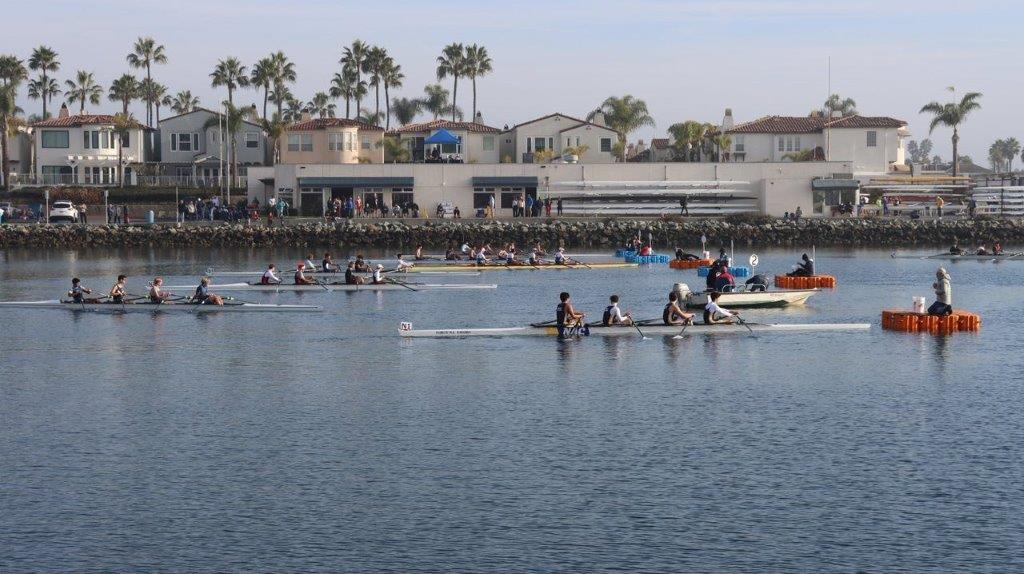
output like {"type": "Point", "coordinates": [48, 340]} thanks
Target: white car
{"type": "Point", "coordinates": [63, 211]}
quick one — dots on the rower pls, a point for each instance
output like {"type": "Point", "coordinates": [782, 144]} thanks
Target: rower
{"type": "Point", "coordinates": [539, 250]}
{"type": "Point", "coordinates": [78, 293]}
{"type": "Point", "coordinates": [560, 256]}
{"type": "Point", "coordinates": [510, 257]}
{"type": "Point", "coordinates": [566, 313]}
{"type": "Point", "coordinates": [465, 248]}
{"type": "Point", "coordinates": [757, 283]}
{"type": "Point", "coordinates": [450, 255]}
{"type": "Point", "coordinates": [328, 264]}
{"type": "Point", "coordinates": [481, 259]}
{"type": "Point", "coordinates": [803, 269]}
{"type": "Point", "coordinates": [203, 295]}
{"type": "Point", "coordinates": [117, 292]}
{"type": "Point", "coordinates": [613, 315]}
{"type": "Point", "coordinates": [378, 275]}
{"type": "Point", "coordinates": [956, 250]}
{"type": "Point", "coordinates": [684, 256]}
{"type": "Point", "coordinates": [419, 253]}
{"type": "Point", "coordinates": [350, 275]}
{"type": "Point", "coordinates": [997, 249]}
{"type": "Point", "coordinates": [157, 295]}
{"type": "Point", "coordinates": [402, 265]}
{"type": "Point", "coordinates": [673, 314]}
{"type": "Point", "coordinates": [943, 304]}
{"type": "Point", "coordinates": [535, 258]}
{"type": "Point", "coordinates": [310, 265]}
{"type": "Point", "coordinates": [361, 265]}
{"type": "Point", "coordinates": [725, 282]}
{"type": "Point", "coordinates": [270, 276]}
{"type": "Point", "coordinates": [713, 314]}
{"type": "Point", "coordinates": [300, 275]}
{"type": "Point", "coordinates": [981, 250]}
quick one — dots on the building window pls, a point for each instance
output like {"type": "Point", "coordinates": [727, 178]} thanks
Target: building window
{"type": "Point", "coordinates": [488, 143]}
{"type": "Point", "coordinates": [366, 143]}
{"type": "Point", "coordinates": [350, 141]}
{"type": "Point", "coordinates": [55, 139]}
{"type": "Point", "coordinates": [577, 141]}
{"type": "Point", "coordinates": [568, 142]}
{"type": "Point", "coordinates": [482, 200]}
{"type": "Point", "coordinates": [401, 198]}
{"type": "Point", "coordinates": [538, 144]}
{"type": "Point", "coordinates": [737, 144]}
{"type": "Point", "coordinates": [606, 144]}
{"type": "Point", "coordinates": [336, 142]}
{"type": "Point", "coordinates": [252, 140]}
{"type": "Point", "coordinates": [300, 142]}
{"type": "Point", "coordinates": [796, 143]}
{"type": "Point", "coordinates": [307, 142]}
{"type": "Point", "coordinates": [872, 139]}
{"type": "Point", "coordinates": [529, 145]}
{"type": "Point", "coordinates": [782, 143]}
{"type": "Point", "coordinates": [185, 142]}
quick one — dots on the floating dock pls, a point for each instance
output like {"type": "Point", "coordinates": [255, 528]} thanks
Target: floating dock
{"type": "Point", "coordinates": [807, 282]}
{"type": "Point", "coordinates": [911, 322]}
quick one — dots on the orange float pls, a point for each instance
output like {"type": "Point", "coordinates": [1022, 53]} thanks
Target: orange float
{"type": "Point", "coordinates": [689, 263]}
{"type": "Point", "coordinates": [911, 322]}
{"type": "Point", "coordinates": [806, 282]}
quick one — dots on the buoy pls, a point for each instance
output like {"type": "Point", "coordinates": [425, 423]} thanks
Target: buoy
{"type": "Point", "coordinates": [737, 272]}
{"type": "Point", "coordinates": [689, 263]}
{"type": "Point", "coordinates": [805, 282]}
{"type": "Point", "coordinates": [911, 322]}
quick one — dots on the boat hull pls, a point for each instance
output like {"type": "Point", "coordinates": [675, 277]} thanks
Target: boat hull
{"type": "Point", "coordinates": [165, 308]}
{"type": "Point", "coordinates": [753, 299]}
{"type": "Point", "coordinates": [341, 287]}
{"type": "Point", "coordinates": [656, 330]}
{"type": "Point", "coordinates": [468, 268]}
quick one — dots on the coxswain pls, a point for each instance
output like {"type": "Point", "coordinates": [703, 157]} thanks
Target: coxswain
{"type": "Point", "coordinates": [997, 249]}
{"type": "Point", "coordinates": [156, 293]}
{"type": "Point", "coordinates": [613, 315]}
{"type": "Point", "coordinates": [203, 296]}
{"type": "Point", "coordinates": [757, 283]}
{"type": "Point", "coordinates": [560, 258]}
{"type": "Point", "coordinates": [684, 256]}
{"type": "Point", "coordinates": [117, 292]}
{"type": "Point", "coordinates": [78, 293]}
{"type": "Point", "coordinates": [328, 265]}
{"type": "Point", "coordinates": [673, 314]}
{"type": "Point", "coordinates": [450, 255]}
{"type": "Point", "coordinates": [713, 314]}
{"type": "Point", "coordinates": [402, 264]}
{"type": "Point", "coordinates": [378, 275]}
{"type": "Point", "coordinates": [566, 314]}
{"type": "Point", "coordinates": [943, 304]}
{"type": "Point", "coordinates": [725, 282]}
{"type": "Point", "coordinates": [300, 275]}
{"type": "Point", "coordinates": [270, 276]}
{"type": "Point", "coordinates": [350, 275]}
{"type": "Point", "coordinates": [310, 265]}
{"type": "Point", "coordinates": [361, 265]}
{"type": "Point", "coordinates": [803, 269]}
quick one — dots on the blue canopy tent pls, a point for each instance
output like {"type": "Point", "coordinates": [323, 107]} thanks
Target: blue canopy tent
{"type": "Point", "coordinates": [440, 139]}
{"type": "Point", "coordinates": [441, 136]}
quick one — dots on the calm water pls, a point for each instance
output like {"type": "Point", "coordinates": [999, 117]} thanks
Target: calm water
{"type": "Point", "coordinates": [324, 443]}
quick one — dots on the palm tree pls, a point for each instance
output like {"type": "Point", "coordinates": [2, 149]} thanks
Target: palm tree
{"type": "Point", "coordinates": [44, 60]}
{"type": "Point", "coordinates": [145, 53]}
{"type": "Point", "coordinates": [367, 117]}
{"type": "Point", "coordinates": [12, 70]}
{"type": "Point", "coordinates": [123, 124]}
{"type": "Point", "coordinates": [374, 65]}
{"type": "Point", "coordinates": [184, 102]}
{"type": "Point", "coordinates": [452, 62]}
{"type": "Point", "coordinates": [263, 76]}
{"type": "Point", "coordinates": [952, 114]}
{"type": "Point", "coordinates": [1011, 147]}
{"type": "Point", "coordinates": [478, 64]}
{"type": "Point", "coordinates": [354, 58]}
{"type": "Point", "coordinates": [436, 101]}
{"type": "Point", "coordinates": [392, 76]}
{"type": "Point", "coordinates": [274, 128]}
{"type": "Point", "coordinates": [231, 74]}
{"type": "Point", "coordinates": [322, 106]}
{"type": "Point", "coordinates": [346, 84]}
{"type": "Point", "coordinates": [152, 92]}
{"type": "Point", "coordinates": [283, 73]}
{"type": "Point", "coordinates": [624, 115]}
{"type": "Point", "coordinates": [124, 90]}
{"type": "Point", "coordinates": [394, 149]}
{"type": "Point", "coordinates": [43, 88]}
{"type": "Point", "coordinates": [836, 103]}
{"type": "Point", "coordinates": [723, 144]}
{"type": "Point", "coordinates": [232, 122]}
{"type": "Point", "coordinates": [294, 111]}
{"type": "Point", "coordinates": [83, 89]}
{"type": "Point", "coordinates": [405, 109]}
{"type": "Point", "coordinates": [686, 137]}
{"type": "Point", "coordinates": [8, 110]}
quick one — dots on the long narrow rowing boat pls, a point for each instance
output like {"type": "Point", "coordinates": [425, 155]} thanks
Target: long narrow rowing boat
{"type": "Point", "coordinates": [406, 330]}
{"type": "Point", "coordinates": [288, 274]}
{"type": "Point", "coordinates": [143, 307]}
{"type": "Point", "coordinates": [403, 286]}
{"type": "Point", "coordinates": [1017, 256]}
{"type": "Point", "coordinates": [770, 298]}
{"type": "Point", "coordinates": [456, 268]}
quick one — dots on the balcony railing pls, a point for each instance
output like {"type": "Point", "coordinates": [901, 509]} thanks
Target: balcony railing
{"type": "Point", "coordinates": [23, 180]}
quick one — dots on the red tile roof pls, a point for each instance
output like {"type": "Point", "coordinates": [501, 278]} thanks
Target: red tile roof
{"type": "Point", "coordinates": [78, 120]}
{"type": "Point", "coordinates": [446, 125]}
{"type": "Point", "coordinates": [586, 124]}
{"type": "Point", "coordinates": [807, 125]}
{"type": "Point", "coordinates": [324, 123]}
{"type": "Point", "coordinates": [659, 143]}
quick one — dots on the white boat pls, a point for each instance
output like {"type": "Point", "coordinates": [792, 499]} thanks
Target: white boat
{"type": "Point", "coordinates": [464, 268]}
{"type": "Point", "coordinates": [391, 286]}
{"type": "Point", "coordinates": [770, 298]}
{"type": "Point", "coordinates": [145, 307]}
{"type": "Point", "coordinates": [467, 272]}
{"type": "Point", "coordinates": [406, 330]}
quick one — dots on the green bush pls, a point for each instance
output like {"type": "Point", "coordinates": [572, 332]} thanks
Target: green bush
{"type": "Point", "coordinates": [749, 219]}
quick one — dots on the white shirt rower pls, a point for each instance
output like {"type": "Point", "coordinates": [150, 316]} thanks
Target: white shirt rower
{"type": "Point", "coordinates": [269, 277]}
{"type": "Point", "coordinates": [715, 314]}
{"type": "Point", "coordinates": [310, 266]}
{"type": "Point", "coordinates": [378, 274]}
{"type": "Point", "coordinates": [403, 264]}
{"type": "Point", "coordinates": [465, 248]}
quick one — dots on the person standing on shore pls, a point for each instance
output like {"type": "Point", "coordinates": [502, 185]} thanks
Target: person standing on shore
{"type": "Point", "coordinates": [939, 204]}
{"type": "Point", "coordinates": [943, 304]}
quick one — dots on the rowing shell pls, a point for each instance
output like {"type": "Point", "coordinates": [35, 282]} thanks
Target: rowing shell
{"type": "Point", "coordinates": [210, 273]}
{"type": "Point", "coordinates": [403, 286]}
{"type": "Point", "coordinates": [951, 257]}
{"type": "Point", "coordinates": [406, 330]}
{"type": "Point", "coordinates": [142, 307]}
{"type": "Point", "coordinates": [771, 298]}
{"type": "Point", "coordinates": [463, 268]}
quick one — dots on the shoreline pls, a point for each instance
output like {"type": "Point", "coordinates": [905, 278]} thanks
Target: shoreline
{"type": "Point", "coordinates": [570, 233]}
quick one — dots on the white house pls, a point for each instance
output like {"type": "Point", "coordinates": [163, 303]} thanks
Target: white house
{"type": "Point", "coordinates": [478, 143]}
{"type": "Point", "coordinates": [557, 132]}
{"type": "Point", "coordinates": [189, 149]}
{"type": "Point", "coordinates": [82, 149]}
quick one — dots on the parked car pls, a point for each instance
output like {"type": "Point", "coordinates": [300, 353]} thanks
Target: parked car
{"type": "Point", "coordinates": [63, 212]}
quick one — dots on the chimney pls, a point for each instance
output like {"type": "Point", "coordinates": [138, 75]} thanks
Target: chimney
{"type": "Point", "coordinates": [479, 119]}
{"type": "Point", "coordinates": [598, 119]}
{"type": "Point", "coordinates": [727, 121]}
{"type": "Point", "coordinates": [63, 111]}
{"type": "Point", "coordinates": [836, 114]}
{"type": "Point", "coordinates": [305, 117]}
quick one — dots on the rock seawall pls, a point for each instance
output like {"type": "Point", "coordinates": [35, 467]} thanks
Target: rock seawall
{"type": "Point", "coordinates": [571, 233]}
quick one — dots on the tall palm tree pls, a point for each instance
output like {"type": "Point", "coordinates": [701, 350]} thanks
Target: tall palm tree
{"type": "Point", "coordinates": [452, 62]}
{"type": "Point", "coordinates": [44, 60]}
{"type": "Point", "coordinates": [231, 74]}
{"type": "Point", "coordinates": [368, 117]}
{"type": "Point", "coordinates": [1011, 147]}
{"type": "Point", "coordinates": [83, 89]}
{"type": "Point", "coordinates": [158, 93]}
{"type": "Point", "coordinates": [723, 144]}
{"type": "Point", "coordinates": [405, 109]}
{"type": "Point", "coordinates": [274, 128]}
{"type": "Point", "coordinates": [231, 121]}
{"type": "Point", "coordinates": [836, 103]}
{"type": "Point", "coordinates": [263, 76]}
{"type": "Point", "coordinates": [478, 64]}
{"type": "Point", "coordinates": [12, 70]}
{"type": "Point", "coordinates": [124, 90]}
{"type": "Point", "coordinates": [952, 114]}
{"type": "Point", "coordinates": [392, 77]}
{"type": "Point", "coordinates": [43, 89]}
{"type": "Point", "coordinates": [374, 66]}
{"type": "Point", "coordinates": [294, 111]}
{"type": "Point", "coordinates": [624, 115]}
{"type": "Point", "coordinates": [144, 54]}
{"type": "Point", "coordinates": [8, 111]}
{"type": "Point", "coordinates": [686, 137]}
{"type": "Point", "coordinates": [322, 106]}
{"type": "Point", "coordinates": [124, 123]}
{"type": "Point", "coordinates": [436, 100]}
{"type": "Point", "coordinates": [283, 74]}
{"type": "Point", "coordinates": [354, 58]}
{"type": "Point", "coordinates": [184, 102]}
{"type": "Point", "coordinates": [346, 84]}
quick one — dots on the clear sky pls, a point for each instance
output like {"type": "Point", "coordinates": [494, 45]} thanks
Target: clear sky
{"type": "Point", "coordinates": [688, 59]}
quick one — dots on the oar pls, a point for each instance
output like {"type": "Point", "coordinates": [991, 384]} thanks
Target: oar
{"type": "Point", "coordinates": [744, 323]}
{"type": "Point", "coordinates": [403, 284]}
{"type": "Point", "coordinates": [679, 335]}
{"type": "Point", "coordinates": [578, 262]}
{"type": "Point", "coordinates": [544, 323]}
{"type": "Point", "coordinates": [243, 301]}
{"type": "Point", "coordinates": [321, 284]}
{"type": "Point", "coordinates": [642, 336]}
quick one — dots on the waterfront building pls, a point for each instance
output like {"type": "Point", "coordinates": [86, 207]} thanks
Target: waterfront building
{"type": "Point", "coordinates": [192, 153]}
{"type": "Point", "coordinates": [19, 154]}
{"type": "Point", "coordinates": [331, 141]}
{"type": "Point", "coordinates": [469, 142]}
{"type": "Point", "coordinates": [560, 134]}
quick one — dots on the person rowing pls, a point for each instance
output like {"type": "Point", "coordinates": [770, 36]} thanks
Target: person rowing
{"type": "Point", "coordinates": [613, 315]}
{"type": "Point", "coordinates": [565, 313]}
{"type": "Point", "coordinates": [535, 259]}
{"type": "Point", "coordinates": [560, 258]}
{"type": "Point", "coordinates": [361, 265]}
{"type": "Point", "coordinates": [402, 264]}
{"type": "Point", "coordinates": [956, 250]}
{"type": "Point", "coordinates": [684, 256]}
{"type": "Point", "coordinates": [378, 275]}
{"type": "Point", "coordinates": [300, 276]}
{"type": "Point", "coordinates": [981, 250]}
{"type": "Point", "coordinates": [714, 315]}
{"type": "Point", "coordinates": [78, 292]}
{"type": "Point", "coordinates": [451, 255]}
{"type": "Point", "coordinates": [757, 283]}
{"type": "Point", "coordinates": [328, 264]}
{"type": "Point", "coordinates": [539, 250]}
{"type": "Point", "coordinates": [310, 264]}
{"type": "Point", "coordinates": [157, 295]}
{"type": "Point", "coordinates": [419, 254]}
{"type": "Point", "coordinates": [203, 296]}
{"type": "Point", "coordinates": [350, 275]}
{"type": "Point", "coordinates": [270, 276]}
{"type": "Point", "coordinates": [673, 314]}
{"type": "Point", "coordinates": [466, 248]}
{"type": "Point", "coordinates": [117, 292]}
{"type": "Point", "coordinates": [803, 269]}
{"type": "Point", "coordinates": [997, 248]}
{"type": "Point", "coordinates": [481, 258]}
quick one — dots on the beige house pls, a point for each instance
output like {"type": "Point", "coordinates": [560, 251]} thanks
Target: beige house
{"type": "Point", "coordinates": [325, 141]}
{"type": "Point", "coordinates": [558, 132]}
{"type": "Point", "coordinates": [478, 143]}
